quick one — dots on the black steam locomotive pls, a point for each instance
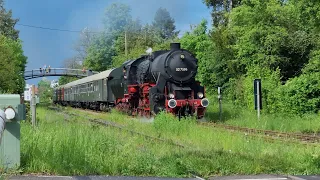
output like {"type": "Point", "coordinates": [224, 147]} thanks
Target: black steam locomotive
{"type": "Point", "coordinates": [160, 81]}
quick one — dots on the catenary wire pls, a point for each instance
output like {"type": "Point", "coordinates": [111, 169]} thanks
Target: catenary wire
{"type": "Point", "coordinates": [71, 31]}
{"type": "Point", "coordinates": [54, 29]}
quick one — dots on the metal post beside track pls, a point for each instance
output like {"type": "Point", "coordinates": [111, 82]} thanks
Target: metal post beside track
{"type": "Point", "coordinates": [258, 100]}
{"type": "Point", "coordinates": [257, 96]}
{"type": "Point", "coordinates": [220, 104]}
{"type": "Point", "coordinates": [33, 106]}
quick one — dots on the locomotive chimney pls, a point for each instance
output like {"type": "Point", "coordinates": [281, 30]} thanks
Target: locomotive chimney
{"type": "Point", "coordinates": [174, 46]}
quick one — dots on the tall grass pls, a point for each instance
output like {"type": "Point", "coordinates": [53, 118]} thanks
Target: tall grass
{"type": "Point", "coordinates": [235, 152]}
{"type": "Point", "coordinates": [72, 146]}
{"type": "Point", "coordinates": [239, 116]}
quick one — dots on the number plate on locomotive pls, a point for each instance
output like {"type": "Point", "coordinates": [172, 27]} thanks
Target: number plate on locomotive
{"type": "Point", "coordinates": [181, 69]}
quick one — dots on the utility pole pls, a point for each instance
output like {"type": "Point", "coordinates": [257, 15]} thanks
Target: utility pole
{"type": "Point", "coordinates": [125, 43]}
{"type": "Point", "coordinates": [33, 106]}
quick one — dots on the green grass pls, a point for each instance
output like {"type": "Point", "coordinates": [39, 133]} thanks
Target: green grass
{"type": "Point", "coordinates": [239, 116]}
{"type": "Point", "coordinates": [75, 147]}
{"type": "Point", "coordinates": [72, 148]}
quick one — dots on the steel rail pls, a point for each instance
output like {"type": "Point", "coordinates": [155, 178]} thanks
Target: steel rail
{"type": "Point", "coordinates": [120, 127]}
{"type": "Point", "coordinates": [268, 134]}
{"type": "Point", "coordinates": [114, 125]}
{"type": "Point", "coordinates": [276, 134]}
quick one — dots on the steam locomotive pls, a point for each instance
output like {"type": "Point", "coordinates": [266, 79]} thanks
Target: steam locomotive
{"type": "Point", "coordinates": [160, 81]}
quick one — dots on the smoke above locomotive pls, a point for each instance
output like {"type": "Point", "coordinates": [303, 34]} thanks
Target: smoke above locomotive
{"type": "Point", "coordinates": [159, 81]}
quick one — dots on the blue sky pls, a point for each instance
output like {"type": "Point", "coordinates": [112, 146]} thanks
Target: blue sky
{"type": "Point", "coordinates": [52, 47]}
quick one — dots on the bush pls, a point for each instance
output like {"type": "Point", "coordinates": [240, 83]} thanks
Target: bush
{"type": "Point", "coordinates": [301, 94]}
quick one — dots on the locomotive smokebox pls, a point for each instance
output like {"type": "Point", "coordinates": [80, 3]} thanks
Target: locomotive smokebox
{"type": "Point", "coordinates": [175, 46]}
{"type": "Point", "coordinates": [177, 65]}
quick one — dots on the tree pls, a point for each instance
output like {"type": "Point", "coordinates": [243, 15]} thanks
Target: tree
{"type": "Point", "coordinates": [198, 42]}
{"type": "Point", "coordinates": [277, 41]}
{"type": "Point", "coordinates": [83, 44]}
{"type": "Point", "coordinates": [71, 63]}
{"type": "Point", "coordinates": [45, 91]}
{"type": "Point", "coordinates": [164, 24]}
{"type": "Point", "coordinates": [7, 23]}
{"type": "Point", "coordinates": [103, 46]}
{"type": "Point", "coordinates": [100, 53]}
{"type": "Point", "coordinates": [116, 18]}
{"type": "Point", "coordinates": [12, 63]}
{"type": "Point", "coordinates": [12, 60]}
{"type": "Point", "coordinates": [219, 10]}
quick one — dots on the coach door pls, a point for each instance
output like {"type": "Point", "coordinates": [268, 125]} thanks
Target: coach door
{"type": "Point", "coordinates": [105, 90]}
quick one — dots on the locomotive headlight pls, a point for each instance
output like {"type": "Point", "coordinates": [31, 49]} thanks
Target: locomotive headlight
{"type": "Point", "coordinates": [182, 56]}
{"type": "Point", "coordinates": [171, 96]}
{"type": "Point", "coordinates": [200, 95]}
{"type": "Point", "coordinates": [10, 113]}
{"type": "Point", "coordinates": [172, 103]}
{"type": "Point", "coordinates": [204, 102]}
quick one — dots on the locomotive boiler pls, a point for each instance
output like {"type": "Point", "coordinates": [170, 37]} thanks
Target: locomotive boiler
{"type": "Point", "coordinates": [159, 81]}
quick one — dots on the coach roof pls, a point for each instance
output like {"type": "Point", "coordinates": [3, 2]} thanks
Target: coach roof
{"type": "Point", "coordinates": [95, 77]}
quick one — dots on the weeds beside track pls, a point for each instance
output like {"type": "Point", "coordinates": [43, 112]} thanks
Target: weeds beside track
{"type": "Point", "coordinates": [306, 138]}
{"type": "Point", "coordinates": [66, 143]}
{"type": "Point", "coordinates": [270, 135]}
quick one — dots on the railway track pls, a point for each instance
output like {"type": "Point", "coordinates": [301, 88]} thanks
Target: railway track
{"type": "Point", "coordinates": [306, 138]}
{"type": "Point", "coordinates": [123, 128]}
{"type": "Point", "coordinates": [114, 125]}
{"type": "Point", "coordinates": [145, 136]}
{"type": "Point", "coordinates": [267, 134]}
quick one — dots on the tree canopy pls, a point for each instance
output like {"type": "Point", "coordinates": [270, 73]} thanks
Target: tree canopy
{"type": "Point", "coordinates": [45, 91]}
{"type": "Point", "coordinates": [277, 41]}
{"type": "Point", "coordinates": [12, 63]}
{"type": "Point", "coordinates": [12, 59]}
{"type": "Point", "coordinates": [163, 24]}
{"type": "Point", "coordinates": [7, 23]}
{"type": "Point", "coordinates": [107, 49]}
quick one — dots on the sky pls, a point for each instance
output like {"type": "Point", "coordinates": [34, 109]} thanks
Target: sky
{"type": "Point", "coordinates": [53, 47]}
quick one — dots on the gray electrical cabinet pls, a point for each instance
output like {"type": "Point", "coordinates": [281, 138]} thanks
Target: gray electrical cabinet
{"type": "Point", "coordinates": [11, 113]}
